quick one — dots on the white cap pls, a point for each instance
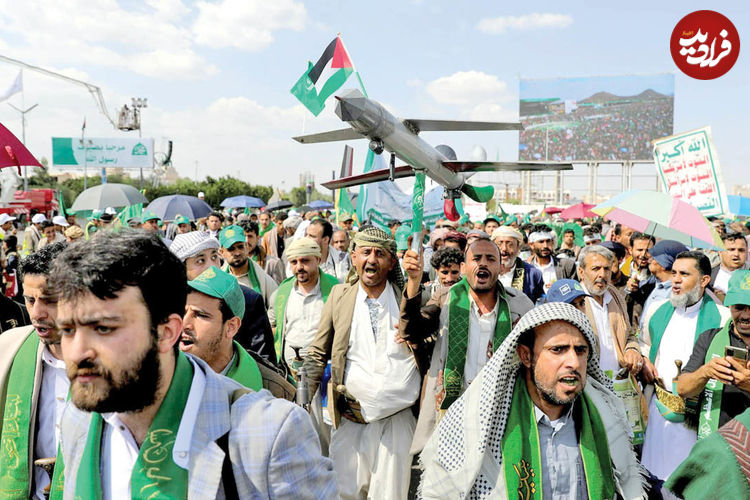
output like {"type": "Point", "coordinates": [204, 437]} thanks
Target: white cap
{"type": "Point", "coordinates": [292, 213]}
{"type": "Point", "coordinates": [38, 218]}
{"type": "Point", "coordinates": [60, 221]}
{"type": "Point", "coordinates": [201, 194]}
{"type": "Point", "coordinates": [110, 210]}
{"type": "Point", "coordinates": [5, 218]}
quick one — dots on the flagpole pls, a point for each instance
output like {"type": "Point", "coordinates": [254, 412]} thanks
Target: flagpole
{"type": "Point", "coordinates": [85, 155]}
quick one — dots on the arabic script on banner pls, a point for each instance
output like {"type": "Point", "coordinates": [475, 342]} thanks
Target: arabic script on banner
{"type": "Point", "coordinates": [689, 170]}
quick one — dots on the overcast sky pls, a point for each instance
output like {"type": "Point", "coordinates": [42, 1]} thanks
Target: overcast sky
{"type": "Point", "coordinates": [217, 73]}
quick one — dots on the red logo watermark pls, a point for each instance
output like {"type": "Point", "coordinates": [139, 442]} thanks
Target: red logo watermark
{"type": "Point", "coordinates": [705, 44]}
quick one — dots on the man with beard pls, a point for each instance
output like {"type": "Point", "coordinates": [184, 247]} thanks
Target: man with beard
{"type": "Point", "coordinates": [540, 420]}
{"type": "Point", "coordinates": [332, 261]}
{"type": "Point", "coordinates": [640, 282]}
{"type": "Point", "coordinates": [663, 255]}
{"type": "Point", "coordinates": [606, 309]}
{"type": "Point", "coordinates": [296, 311]}
{"type": "Point", "coordinates": [213, 312]}
{"type": "Point", "coordinates": [617, 279]}
{"type": "Point", "coordinates": [722, 381]}
{"type": "Point", "coordinates": [733, 257]}
{"type": "Point", "coordinates": [672, 331]}
{"type": "Point", "coordinates": [270, 264]}
{"type": "Point", "coordinates": [33, 385]}
{"type": "Point", "coordinates": [199, 251]}
{"type": "Point", "coordinates": [542, 242]}
{"type": "Point", "coordinates": [375, 380]}
{"type": "Point", "coordinates": [471, 319]}
{"type": "Point", "coordinates": [146, 420]}
{"type": "Point", "coordinates": [514, 273]}
{"type": "Point", "coordinates": [241, 266]}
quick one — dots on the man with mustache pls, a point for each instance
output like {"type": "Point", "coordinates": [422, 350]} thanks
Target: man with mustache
{"type": "Point", "coordinates": [332, 261]}
{"type": "Point", "coordinates": [234, 249]}
{"type": "Point", "coordinates": [540, 420]}
{"type": "Point", "coordinates": [471, 319]}
{"type": "Point", "coordinates": [721, 381]}
{"type": "Point", "coordinates": [542, 242]}
{"type": "Point", "coordinates": [144, 419]}
{"type": "Point", "coordinates": [199, 251]}
{"type": "Point", "coordinates": [375, 379]}
{"type": "Point", "coordinates": [606, 309]}
{"type": "Point", "coordinates": [213, 310]}
{"type": "Point", "coordinates": [733, 257]}
{"type": "Point", "coordinates": [33, 384]}
{"type": "Point", "coordinates": [270, 264]}
{"type": "Point", "coordinates": [295, 315]}
{"type": "Point", "coordinates": [513, 271]}
{"type": "Point", "coordinates": [673, 329]}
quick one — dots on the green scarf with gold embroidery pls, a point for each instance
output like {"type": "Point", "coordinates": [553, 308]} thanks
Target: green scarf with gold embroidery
{"type": "Point", "coordinates": [458, 337]}
{"type": "Point", "coordinates": [522, 460]}
{"type": "Point", "coordinates": [154, 475]}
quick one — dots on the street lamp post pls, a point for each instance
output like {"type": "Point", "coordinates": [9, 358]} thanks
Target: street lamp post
{"type": "Point", "coordinates": [23, 139]}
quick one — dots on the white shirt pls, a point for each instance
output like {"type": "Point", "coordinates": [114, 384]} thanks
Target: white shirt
{"type": "Point", "coordinates": [380, 373]}
{"type": "Point", "coordinates": [677, 342]}
{"type": "Point", "coordinates": [301, 319]}
{"type": "Point", "coordinates": [481, 334]}
{"type": "Point", "coordinates": [337, 264]}
{"type": "Point", "coordinates": [507, 278]}
{"type": "Point", "coordinates": [607, 351]}
{"type": "Point", "coordinates": [722, 279]}
{"type": "Point", "coordinates": [548, 272]}
{"type": "Point", "coordinates": [120, 451]}
{"type": "Point", "coordinates": [52, 398]}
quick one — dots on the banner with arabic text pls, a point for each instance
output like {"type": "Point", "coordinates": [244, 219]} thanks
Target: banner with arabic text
{"type": "Point", "coordinates": [689, 170]}
{"type": "Point", "coordinates": [102, 152]}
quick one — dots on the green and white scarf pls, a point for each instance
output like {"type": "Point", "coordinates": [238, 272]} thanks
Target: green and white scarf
{"type": "Point", "coordinates": [244, 369]}
{"type": "Point", "coordinates": [708, 318]}
{"type": "Point", "coordinates": [458, 337]}
{"type": "Point", "coordinates": [327, 282]}
{"type": "Point", "coordinates": [16, 426]}
{"type": "Point", "coordinates": [708, 419]}
{"type": "Point", "coordinates": [522, 461]}
{"type": "Point", "coordinates": [154, 475]}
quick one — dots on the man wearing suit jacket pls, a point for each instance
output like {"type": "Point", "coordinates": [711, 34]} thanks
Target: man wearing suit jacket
{"type": "Point", "coordinates": [33, 384]}
{"type": "Point", "coordinates": [513, 271]}
{"type": "Point", "coordinates": [375, 380]}
{"type": "Point", "coordinates": [146, 420]}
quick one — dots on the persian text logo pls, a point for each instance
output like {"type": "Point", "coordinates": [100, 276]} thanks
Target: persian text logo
{"type": "Point", "coordinates": [705, 45]}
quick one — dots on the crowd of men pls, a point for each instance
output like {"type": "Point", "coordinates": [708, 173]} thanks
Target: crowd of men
{"type": "Point", "coordinates": [285, 355]}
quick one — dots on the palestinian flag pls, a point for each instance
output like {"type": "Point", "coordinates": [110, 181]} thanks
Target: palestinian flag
{"type": "Point", "coordinates": [324, 77]}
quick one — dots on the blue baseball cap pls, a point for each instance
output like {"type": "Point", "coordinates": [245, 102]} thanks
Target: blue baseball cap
{"type": "Point", "coordinates": [565, 291]}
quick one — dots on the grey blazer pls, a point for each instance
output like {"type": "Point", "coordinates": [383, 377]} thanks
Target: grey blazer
{"type": "Point", "coordinates": [274, 450]}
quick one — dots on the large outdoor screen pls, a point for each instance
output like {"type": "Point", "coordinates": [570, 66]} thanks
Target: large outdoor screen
{"type": "Point", "coordinates": [595, 118]}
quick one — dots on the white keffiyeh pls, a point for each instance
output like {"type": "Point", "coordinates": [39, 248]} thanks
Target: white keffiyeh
{"type": "Point", "coordinates": [463, 457]}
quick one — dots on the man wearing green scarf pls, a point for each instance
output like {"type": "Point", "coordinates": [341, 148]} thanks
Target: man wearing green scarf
{"type": "Point", "coordinates": [297, 307]}
{"type": "Point", "coordinates": [33, 385]}
{"type": "Point", "coordinates": [148, 421]}
{"type": "Point", "coordinates": [540, 421]}
{"type": "Point", "coordinates": [241, 266]}
{"type": "Point", "coordinates": [722, 381]}
{"type": "Point", "coordinates": [471, 319]}
{"type": "Point", "coordinates": [672, 331]}
{"type": "Point", "coordinates": [213, 312]}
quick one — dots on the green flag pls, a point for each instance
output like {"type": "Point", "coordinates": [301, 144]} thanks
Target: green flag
{"type": "Point", "coordinates": [128, 213]}
{"type": "Point", "coordinates": [323, 78]}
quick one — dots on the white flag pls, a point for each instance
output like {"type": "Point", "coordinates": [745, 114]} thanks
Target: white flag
{"type": "Point", "coordinates": [15, 87]}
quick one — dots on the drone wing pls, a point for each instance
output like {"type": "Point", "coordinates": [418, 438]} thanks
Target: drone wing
{"type": "Point", "coordinates": [508, 166]}
{"type": "Point", "coordinates": [369, 177]}
{"type": "Point", "coordinates": [418, 125]}
{"type": "Point", "coordinates": [344, 134]}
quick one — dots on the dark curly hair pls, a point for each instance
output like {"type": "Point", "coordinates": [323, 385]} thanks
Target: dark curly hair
{"type": "Point", "coordinates": [105, 265]}
{"type": "Point", "coordinates": [40, 262]}
{"type": "Point", "coordinates": [446, 256]}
